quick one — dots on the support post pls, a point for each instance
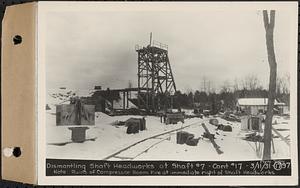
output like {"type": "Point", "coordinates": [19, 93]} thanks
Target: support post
{"type": "Point", "coordinates": [127, 96]}
{"type": "Point", "coordinates": [124, 100]}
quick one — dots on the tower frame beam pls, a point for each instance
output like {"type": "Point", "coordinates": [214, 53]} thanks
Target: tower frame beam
{"type": "Point", "coordinates": [155, 78]}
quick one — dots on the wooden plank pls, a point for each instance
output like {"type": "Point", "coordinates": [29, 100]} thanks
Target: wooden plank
{"type": "Point", "coordinates": [282, 138]}
{"type": "Point", "coordinates": [70, 142]}
{"type": "Point", "coordinates": [121, 157]}
{"type": "Point", "coordinates": [217, 148]}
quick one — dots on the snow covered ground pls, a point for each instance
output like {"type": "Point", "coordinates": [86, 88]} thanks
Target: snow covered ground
{"type": "Point", "coordinates": [110, 139]}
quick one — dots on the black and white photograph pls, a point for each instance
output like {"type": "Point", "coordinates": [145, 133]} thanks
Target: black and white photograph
{"type": "Point", "coordinates": [170, 81]}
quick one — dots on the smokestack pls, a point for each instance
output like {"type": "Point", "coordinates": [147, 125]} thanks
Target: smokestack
{"type": "Point", "coordinates": [150, 38]}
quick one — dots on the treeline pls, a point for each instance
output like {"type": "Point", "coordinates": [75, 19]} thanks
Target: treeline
{"type": "Point", "coordinates": [225, 100]}
{"type": "Point", "coordinates": [248, 87]}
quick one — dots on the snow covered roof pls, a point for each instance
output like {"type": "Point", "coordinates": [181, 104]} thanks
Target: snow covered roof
{"type": "Point", "coordinates": [255, 102]}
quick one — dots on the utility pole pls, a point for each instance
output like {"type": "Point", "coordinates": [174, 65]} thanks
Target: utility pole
{"type": "Point", "coordinates": [150, 38]}
{"type": "Point", "coordinates": [204, 84]}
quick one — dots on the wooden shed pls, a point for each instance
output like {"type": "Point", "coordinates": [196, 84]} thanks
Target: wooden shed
{"type": "Point", "coordinates": [254, 106]}
{"type": "Point", "coordinates": [251, 123]}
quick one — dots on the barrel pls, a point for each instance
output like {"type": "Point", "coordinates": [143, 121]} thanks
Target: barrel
{"type": "Point", "coordinates": [78, 134]}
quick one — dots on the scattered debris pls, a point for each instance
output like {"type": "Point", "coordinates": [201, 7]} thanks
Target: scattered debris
{"type": "Point", "coordinates": [214, 121]}
{"type": "Point", "coordinates": [227, 128]}
{"type": "Point", "coordinates": [194, 116]}
{"type": "Point", "coordinates": [220, 127]}
{"type": "Point", "coordinates": [48, 107]}
{"type": "Point", "coordinates": [134, 125]}
{"type": "Point", "coordinates": [211, 138]}
{"type": "Point", "coordinates": [118, 123]}
{"type": "Point", "coordinates": [206, 113]}
{"type": "Point", "coordinates": [192, 141]}
{"type": "Point", "coordinates": [254, 137]}
{"type": "Point", "coordinates": [198, 113]}
{"type": "Point", "coordinates": [283, 129]}
{"type": "Point", "coordinates": [133, 128]}
{"type": "Point", "coordinates": [231, 117]}
{"type": "Point", "coordinates": [174, 118]}
{"type": "Point", "coordinates": [183, 137]}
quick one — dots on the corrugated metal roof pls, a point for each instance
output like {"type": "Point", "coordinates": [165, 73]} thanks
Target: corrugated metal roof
{"type": "Point", "coordinates": [255, 102]}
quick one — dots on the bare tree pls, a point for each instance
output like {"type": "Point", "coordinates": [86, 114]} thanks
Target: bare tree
{"type": "Point", "coordinates": [235, 84]}
{"type": "Point", "coordinates": [279, 85]}
{"type": "Point", "coordinates": [286, 84]}
{"type": "Point", "coordinates": [204, 84]}
{"type": "Point", "coordinates": [269, 27]}
{"type": "Point", "coordinates": [188, 90]}
{"type": "Point", "coordinates": [283, 84]}
{"type": "Point", "coordinates": [212, 88]}
{"type": "Point", "coordinates": [225, 87]}
{"type": "Point", "coordinates": [251, 82]}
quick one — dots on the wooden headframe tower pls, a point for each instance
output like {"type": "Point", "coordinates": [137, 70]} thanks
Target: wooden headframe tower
{"type": "Point", "coordinates": [156, 83]}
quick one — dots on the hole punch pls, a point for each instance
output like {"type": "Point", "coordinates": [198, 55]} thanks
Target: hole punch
{"type": "Point", "coordinates": [8, 152]}
{"type": "Point", "coordinates": [17, 39]}
{"type": "Point", "coordinates": [17, 152]}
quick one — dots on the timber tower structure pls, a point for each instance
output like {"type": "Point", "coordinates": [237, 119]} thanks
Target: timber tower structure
{"type": "Point", "coordinates": [156, 83]}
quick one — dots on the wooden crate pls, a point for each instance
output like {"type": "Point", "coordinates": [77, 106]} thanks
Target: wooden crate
{"type": "Point", "coordinates": [174, 118]}
{"type": "Point", "coordinates": [67, 114]}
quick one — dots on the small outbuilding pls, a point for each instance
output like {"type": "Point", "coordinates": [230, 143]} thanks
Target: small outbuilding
{"type": "Point", "coordinates": [251, 123]}
{"type": "Point", "coordinates": [255, 106]}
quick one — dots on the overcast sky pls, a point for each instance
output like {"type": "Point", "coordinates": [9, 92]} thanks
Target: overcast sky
{"type": "Point", "coordinates": [88, 48]}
